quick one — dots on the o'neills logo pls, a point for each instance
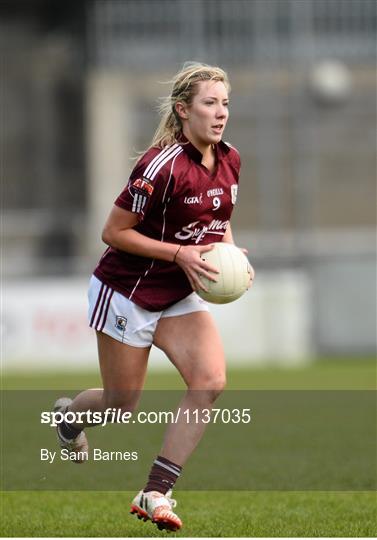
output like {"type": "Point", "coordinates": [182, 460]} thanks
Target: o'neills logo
{"type": "Point", "coordinates": [191, 231]}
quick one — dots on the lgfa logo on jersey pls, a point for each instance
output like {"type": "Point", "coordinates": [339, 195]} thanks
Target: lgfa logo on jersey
{"type": "Point", "coordinates": [194, 199]}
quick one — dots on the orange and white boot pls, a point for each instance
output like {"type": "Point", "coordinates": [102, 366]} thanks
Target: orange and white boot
{"type": "Point", "coordinates": [157, 507]}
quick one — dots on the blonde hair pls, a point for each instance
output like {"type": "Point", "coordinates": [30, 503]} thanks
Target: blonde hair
{"type": "Point", "coordinates": [184, 88]}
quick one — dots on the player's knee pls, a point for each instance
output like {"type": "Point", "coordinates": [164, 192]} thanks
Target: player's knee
{"type": "Point", "coordinates": [210, 387]}
{"type": "Point", "coordinates": [217, 386]}
{"type": "Point", "coordinates": [124, 401]}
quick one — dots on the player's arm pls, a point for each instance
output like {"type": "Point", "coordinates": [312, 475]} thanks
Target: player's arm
{"type": "Point", "coordinates": [119, 233]}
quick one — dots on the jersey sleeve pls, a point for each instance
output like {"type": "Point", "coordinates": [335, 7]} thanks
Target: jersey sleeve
{"type": "Point", "coordinates": [147, 185]}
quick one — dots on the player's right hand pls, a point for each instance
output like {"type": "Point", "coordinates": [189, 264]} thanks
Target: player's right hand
{"type": "Point", "coordinates": [190, 260]}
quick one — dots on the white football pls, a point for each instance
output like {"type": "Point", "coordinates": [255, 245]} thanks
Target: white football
{"type": "Point", "coordinates": [234, 277]}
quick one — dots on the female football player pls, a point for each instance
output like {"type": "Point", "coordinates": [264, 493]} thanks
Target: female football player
{"type": "Point", "coordinates": [177, 202]}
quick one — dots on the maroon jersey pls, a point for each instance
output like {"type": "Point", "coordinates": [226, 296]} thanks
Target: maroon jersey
{"type": "Point", "coordinates": [177, 201]}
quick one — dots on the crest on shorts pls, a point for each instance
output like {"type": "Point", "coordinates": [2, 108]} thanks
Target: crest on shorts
{"type": "Point", "coordinates": [233, 192]}
{"type": "Point", "coordinates": [120, 323]}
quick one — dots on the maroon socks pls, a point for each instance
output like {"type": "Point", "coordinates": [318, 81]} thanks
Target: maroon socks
{"type": "Point", "coordinates": [164, 474]}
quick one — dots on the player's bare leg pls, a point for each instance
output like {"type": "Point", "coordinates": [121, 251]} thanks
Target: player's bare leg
{"type": "Point", "coordinates": [193, 345]}
{"type": "Point", "coordinates": [123, 370]}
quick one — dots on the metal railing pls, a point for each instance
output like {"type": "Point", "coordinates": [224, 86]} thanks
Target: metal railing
{"type": "Point", "coordinates": [140, 34]}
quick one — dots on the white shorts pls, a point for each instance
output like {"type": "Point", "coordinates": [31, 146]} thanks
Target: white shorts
{"type": "Point", "coordinates": [114, 314]}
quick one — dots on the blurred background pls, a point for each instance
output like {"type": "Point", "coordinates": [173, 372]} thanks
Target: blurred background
{"type": "Point", "coordinates": [80, 84]}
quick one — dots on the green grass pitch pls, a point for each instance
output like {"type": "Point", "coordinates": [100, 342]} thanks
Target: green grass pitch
{"type": "Point", "coordinates": [204, 514]}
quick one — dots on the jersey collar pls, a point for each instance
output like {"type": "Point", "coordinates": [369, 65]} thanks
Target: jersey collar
{"type": "Point", "coordinates": [221, 148]}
